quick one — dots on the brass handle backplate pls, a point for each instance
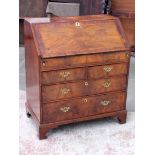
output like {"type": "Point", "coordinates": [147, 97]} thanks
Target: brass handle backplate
{"type": "Point", "coordinates": [107, 84]}
{"type": "Point", "coordinates": [65, 74]}
{"type": "Point", "coordinates": [107, 69]}
{"type": "Point", "coordinates": [65, 109]}
{"type": "Point", "coordinates": [105, 103]}
{"type": "Point", "coordinates": [65, 91]}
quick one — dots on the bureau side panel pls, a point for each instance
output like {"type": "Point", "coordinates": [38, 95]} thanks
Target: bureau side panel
{"type": "Point", "coordinates": [32, 72]}
{"type": "Point", "coordinates": [124, 5]}
{"type": "Point", "coordinates": [129, 27]}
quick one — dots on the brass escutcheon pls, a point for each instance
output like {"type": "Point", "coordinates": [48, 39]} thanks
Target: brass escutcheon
{"type": "Point", "coordinates": [65, 91]}
{"type": "Point", "coordinates": [107, 84]}
{"type": "Point", "coordinates": [65, 109]}
{"type": "Point", "coordinates": [85, 100]}
{"type": "Point", "coordinates": [77, 24]}
{"type": "Point", "coordinates": [105, 103]}
{"type": "Point", "coordinates": [107, 69]}
{"type": "Point", "coordinates": [86, 83]}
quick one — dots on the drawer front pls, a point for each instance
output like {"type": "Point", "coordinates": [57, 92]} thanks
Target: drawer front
{"type": "Point", "coordinates": [63, 75]}
{"type": "Point", "coordinates": [62, 91]}
{"type": "Point", "coordinates": [82, 107]}
{"type": "Point", "coordinates": [62, 62]}
{"type": "Point", "coordinates": [107, 70]}
{"type": "Point", "coordinates": [84, 60]}
{"type": "Point", "coordinates": [108, 58]}
{"type": "Point", "coordinates": [107, 85]}
{"type": "Point", "coordinates": [69, 90]}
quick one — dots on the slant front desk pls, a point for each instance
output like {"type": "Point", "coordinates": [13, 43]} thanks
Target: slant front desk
{"type": "Point", "coordinates": [76, 70]}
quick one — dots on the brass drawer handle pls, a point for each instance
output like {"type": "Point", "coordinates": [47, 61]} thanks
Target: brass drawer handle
{"type": "Point", "coordinates": [65, 109]}
{"type": "Point", "coordinates": [107, 69]}
{"type": "Point", "coordinates": [65, 91]}
{"type": "Point", "coordinates": [107, 84]}
{"type": "Point", "coordinates": [65, 74]}
{"type": "Point", "coordinates": [85, 100]}
{"type": "Point", "coordinates": [105, 103]}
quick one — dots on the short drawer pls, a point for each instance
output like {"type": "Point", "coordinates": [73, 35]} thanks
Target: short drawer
{"type": "Point", "coordinates": [83, 107]}
{"type": "Point", "coordinates": [83, 60]}
{"type": "Point", "coordinates": [77, 89]}
{"type": "Point", "coordinates": [63, 75]}
{"type": "Point", "coordinates": [107, 70]}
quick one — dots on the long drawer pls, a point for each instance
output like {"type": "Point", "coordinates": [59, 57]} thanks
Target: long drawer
{"type": "Point", "coordinates": [70, 90]}
{"type": "Point", "coordinates": [83, 60]}
{"type": "Point", "coordinates": [86, 106]}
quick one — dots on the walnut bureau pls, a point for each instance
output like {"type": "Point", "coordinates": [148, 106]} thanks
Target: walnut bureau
{"type": "Point", "coordinates": [76, 70]}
